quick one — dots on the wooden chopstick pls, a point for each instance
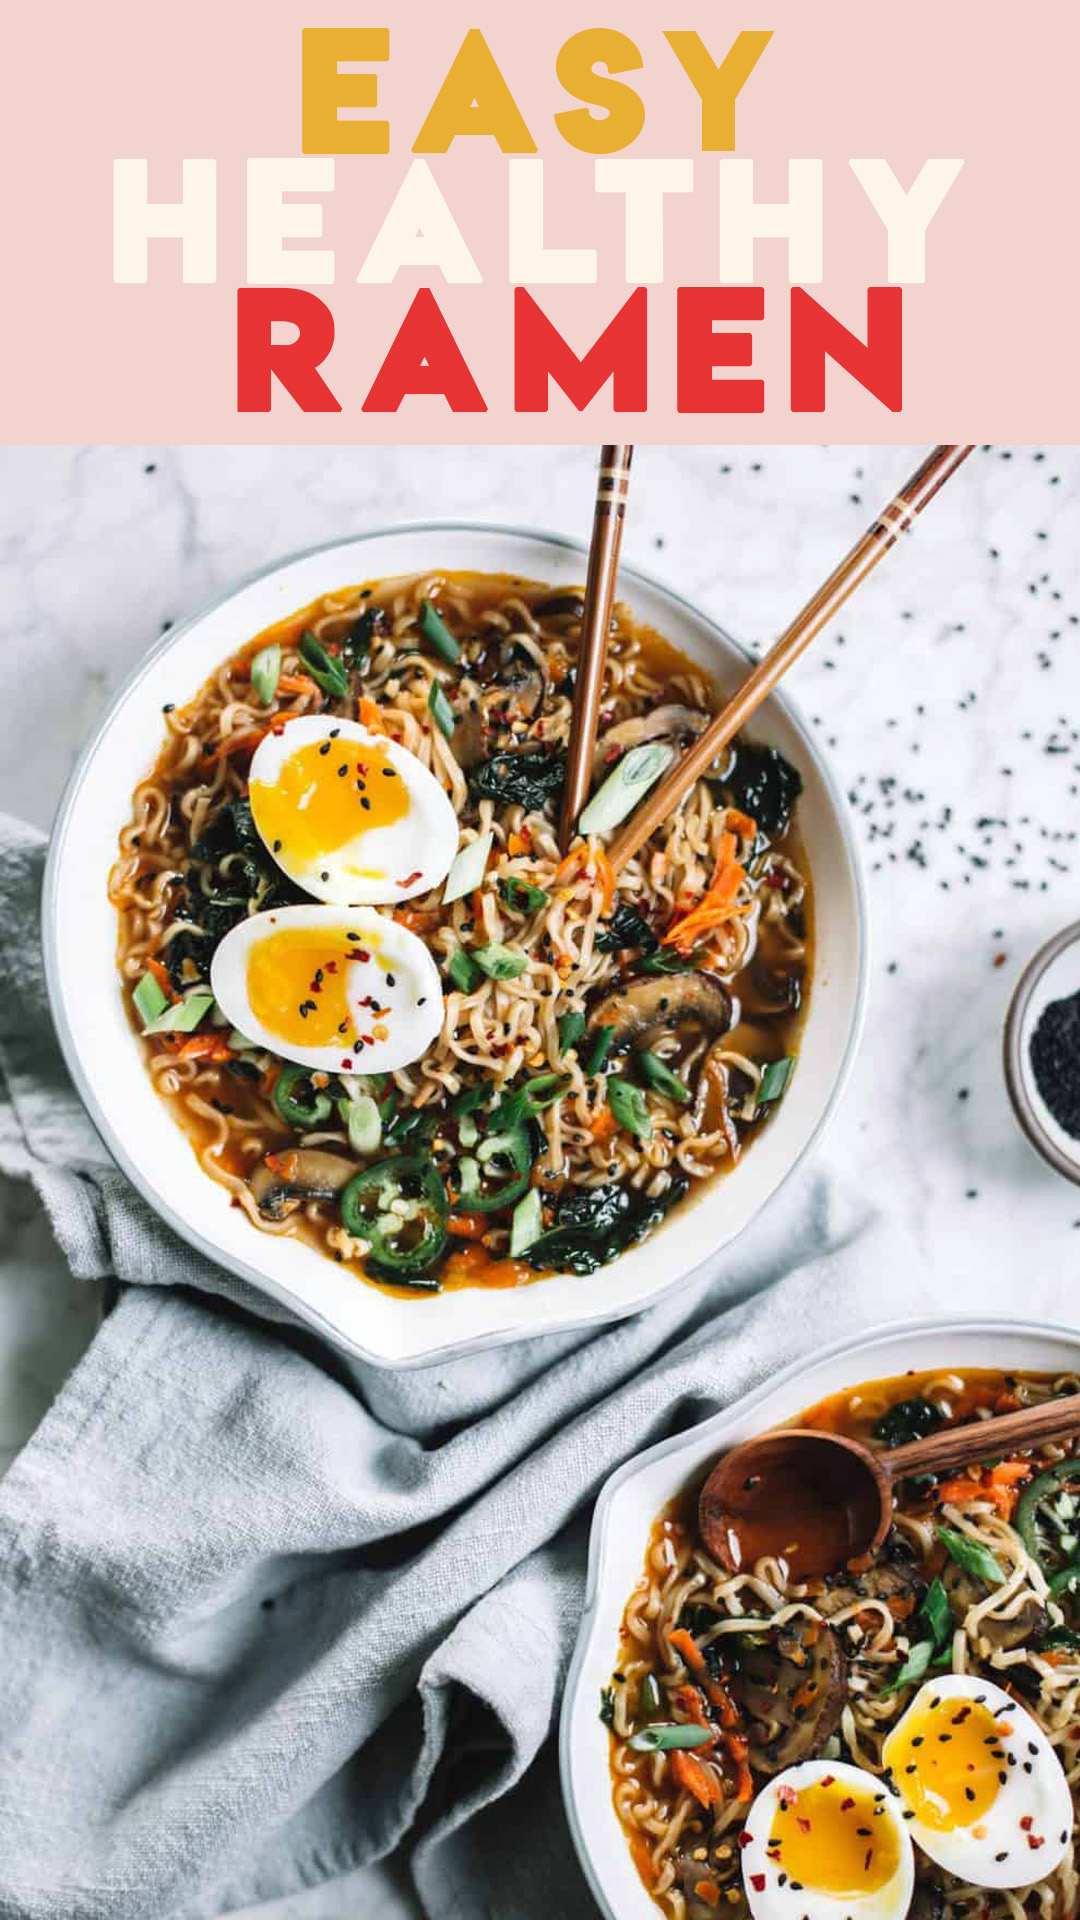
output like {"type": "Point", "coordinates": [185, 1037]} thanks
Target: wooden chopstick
{"type": "Point", "coordinates": [895, 519]}
{"type": "Point", "coordinates": [612, 486]}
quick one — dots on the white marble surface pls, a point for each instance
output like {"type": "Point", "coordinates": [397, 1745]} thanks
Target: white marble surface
{"type": "Point", "coordinates": [948, 698]}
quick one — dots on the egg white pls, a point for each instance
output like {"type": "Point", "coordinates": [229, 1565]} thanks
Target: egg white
{"type": "Point", "coordinates": [771, 1894]}
{"type": "Point", "coordinates": [399, 860]}
{"type": "Point", "coordinates": [399, 974]}
{"type": "Point", "coordinates": [1035, 1790]}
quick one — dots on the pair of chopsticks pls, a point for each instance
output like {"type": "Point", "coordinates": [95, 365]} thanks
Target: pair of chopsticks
{"type": "Point", "coordinates": [895, 519]}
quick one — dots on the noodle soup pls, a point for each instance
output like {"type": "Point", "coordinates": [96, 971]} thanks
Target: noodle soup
{"type": "Point", "coordinates": [598, 1048]}
{"type": "Point", "coordinates": [873, 1682]}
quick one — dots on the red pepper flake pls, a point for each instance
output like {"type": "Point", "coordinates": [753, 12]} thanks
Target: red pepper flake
{"type": "Point", "coordinates": [803, 1825]}
{"type": "Point", "coordinates": [345, 1066]}
{"type": "Point", "coordinates": [277, 726]}
{"type": "Point", "coordinates": [746, 1838]}
{"type": "Point", "coordinates": [846, 1806]}
{"type": "Point", "coordinates": [409, 878]}
{"type": "Point", "coordinates": [787, 1796]}
{"type": "Point", "coordinates": [828, 1779]}
{"type": "Point", "coordinates": [1026, 1823]}
{"type": "Point", "coordinates": [757, 1881]}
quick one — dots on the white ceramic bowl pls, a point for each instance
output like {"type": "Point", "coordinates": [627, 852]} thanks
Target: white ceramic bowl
{"type": "Point", "coordinates": [80, 946]}
{"type": "Point", "coordinates": [633, 1497]}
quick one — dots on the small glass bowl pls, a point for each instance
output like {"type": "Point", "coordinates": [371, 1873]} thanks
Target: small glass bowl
{"type": "Point", "coordinates": [1053, 974]}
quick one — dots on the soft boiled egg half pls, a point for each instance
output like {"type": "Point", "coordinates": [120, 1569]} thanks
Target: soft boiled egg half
{"type": "Point", "coordinates": [349, 815]}
{"type": "Point", "coordinates": [343, 990]}
{"type": "Point", "coordinates": [825, 1841]}
{"type": "Point", "coordinates": [990, 1801]}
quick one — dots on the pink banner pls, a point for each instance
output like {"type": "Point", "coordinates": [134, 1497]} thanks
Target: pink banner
{"type": "Point", "coordinates": [845, 222]}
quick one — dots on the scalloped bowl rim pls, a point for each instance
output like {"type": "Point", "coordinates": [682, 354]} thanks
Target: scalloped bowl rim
{"type": "Point", "coordinates": [635, 1493]}
{"type": "Point", "coordinates": [135, 1125]}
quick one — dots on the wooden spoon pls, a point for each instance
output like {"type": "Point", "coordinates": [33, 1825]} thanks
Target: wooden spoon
{"type": "Point", "coordinates": [818, 1500]}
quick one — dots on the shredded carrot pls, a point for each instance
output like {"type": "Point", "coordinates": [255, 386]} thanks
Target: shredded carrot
{"type": "Point", "coordinates": [161, 975]}
{"type": "Point", "coordinates": [900, 1605]}
{"type": "Point", "coordinates": [235, 743]}
{"type": "Point", "coordinates": [685, 1645]}
{"type": "Point", "coordinates": [518, 843]}
{"type": "Point", "coordinates": [691, 1774]}
{"type": "Point", "coordinates": [692, 1704]}
{"type": "Point", "coordinates": [744, 1785]}
{"type": "Point", "coordinates": [467, 1226]}
{"type": "Point", "coordinates": [716, 903]}
{"type": "Point", "coordinates": [296, 683]}
{"type": "Point", "coordinates": [1008, 1472]}
{"type": "Point", "coordinates": [270, 1077]}
{"type": "Point", "coordinates": [212, 1047]}
{"type": "Point", "coordinates": [741, 824]}
{"type": "Point", "coordinates": [369, 715]}
{"type": "Point", "coordinates": [412, 918]}
{"type": "Point", "coordinates": [604, 1125]}
{"type": "Point", "coordinates": [605, 873]}
{"type": "Point", "coordinates": [708, 1893]}
{"type": "Point", "coordinates": [581, 852]}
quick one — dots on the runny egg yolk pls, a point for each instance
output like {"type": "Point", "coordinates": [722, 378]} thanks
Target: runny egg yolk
{"type": "Point", "coordinates": [326, 794]}
{"type": "Point", "coordinates": [948, 1762]}
{"type": "Point", "coordinates": [296, 985]}
{"type": "Point", "coordinates": [832, 1840]}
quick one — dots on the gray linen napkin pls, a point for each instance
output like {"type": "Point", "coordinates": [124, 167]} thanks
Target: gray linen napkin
{"type": "Point", "coordinates": [262, 1619]}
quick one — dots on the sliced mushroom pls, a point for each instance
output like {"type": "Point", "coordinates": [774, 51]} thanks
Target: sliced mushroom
{"type": "Point", "coordinates": [470, 740]}
{"type": "Point", "coordinates": [305, 1173]}
{"type": "Point", "coordinates": [719, 1870]}
{"type": "Point", "coordinates": [898, 1574]}
{"type": "Point", "coordinates": [645, 1006]}
{"type": "Point", "coordinates": [965, 1592]}
{"type": "Point", "coordinates": [558, 606]}
{"type": "Point", "coordinates": [663, 723]}
{"type": "Point", "coordinates": [792, 1687]}
{"type": "Point", "coordinates": [515, 682]}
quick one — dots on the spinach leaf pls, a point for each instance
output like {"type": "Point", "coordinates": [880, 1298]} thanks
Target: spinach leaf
{"type": "Point", "coordinates": [626, 928]}
{"type": "Point", "coordinates": [230, 831]}
{"type": "Point", "coordinates": [908, 1420]}
{"type": "Point", "coordinates": [597, 1224]}
{"type": "Point", "coordinates": [526, 777]}
{"type": "Point", "coordinates": [764, 785]}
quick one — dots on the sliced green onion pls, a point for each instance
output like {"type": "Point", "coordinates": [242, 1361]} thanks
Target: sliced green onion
{"type": "Point", "coordinates": [266, 672]}
{"type": "Point", "coordinates": [571, 1028]}
{"type": "Point", "coordinates": [774, 1080]}
{"type": "Point", "coordinates": [662, 1738]}
{"type": "Point", "coordinates": [440, 709]}
{"type": "Point", "coordinates": [972, 1556]}
{"type": "Point", "coordinates": [468, 869]}
{"type": "Point", "coordinates": [521, 895]}
{"type": "Point", "coordinates": [601, 1047]}
{"type": "Point", "coordinates": [649, 1695]}
{"type": "Point", "coordinates": [498, 962]}
{"type": "Point", "coordinates": [544, 1090]}
{"type": "Point", "coordinates": [937, 1612]}
{"type": "Point", "coordinates": [438, 635]}
{"type": "Point", "coordinates": [1064, 1581]}
{"type": "Point", "coordinates": [183, 1016]}
{"type": "Point", "coordinates": [659, 1075]}
{"type": "Point", "coordinates": [526, 1223]}
{"type": "Point", "coordinates": [626, 784]}
{"type": "Point", "coordinates": [468, 1131]}
{"type": "Point", "coordinates": [463, 970]}
{"type": "Point", "coordinates": [627, 1103]}
{"type": "Point", "coordinates": [467, 1101]}
{"type": "Point", "coordinates": [325, 668]}
{"type": "Point", "coordinates": [150, 1000]}
{"type": "Point", "coordinates": [364, 1124]}
{"type": "Point", "coordinates": [240, 1043]}
{"type": "Point", "coordinates": [914, 1667]}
